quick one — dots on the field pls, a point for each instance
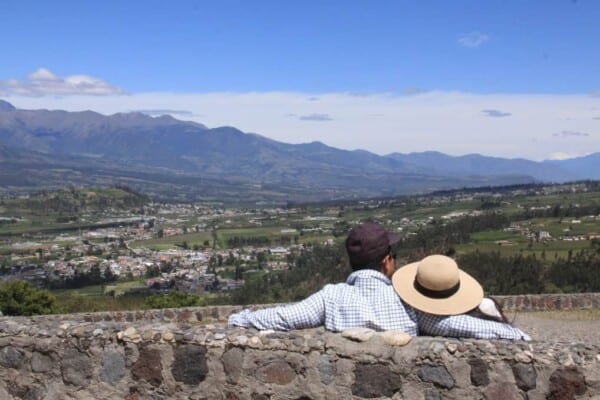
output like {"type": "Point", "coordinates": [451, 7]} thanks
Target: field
{"type": "Point", "coordinates": [165, 243]}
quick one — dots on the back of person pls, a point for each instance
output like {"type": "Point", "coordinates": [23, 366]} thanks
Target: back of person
{"type": "Point", "coordinates": [367, 300]}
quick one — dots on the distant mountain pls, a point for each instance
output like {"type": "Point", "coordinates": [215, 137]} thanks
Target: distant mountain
{"type": "Point", "coordinates": [587, 167]}
{"type": "Point", "coordinates": [161, 153]}
{"type": "Point", "coordinates": [477, 165]}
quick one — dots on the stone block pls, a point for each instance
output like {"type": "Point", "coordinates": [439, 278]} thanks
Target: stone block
{"type": "Point", "coordinates": [41, 362]}
{"type": "Point", "coordinates": [375, 380]}
{"type": "Point", "coordinates": [566, 383]}
{"type": "Point", "coordinates": [502, 391]}
{"type": "Point", "coordinates": [233, 361]}
{"type": "Point", "coordinates": [525, 376]}
{"type": "Point", "coordinates": [113, 367]}
{"type": "Point", "coordinates": [438, 375]}
{"type": "Point", "coordinates": [460, 371]}
{"type": "Point", "coordinates": [76, 368]}
{"type": "Point", "coordinates": [479, 372]}
{"type": "Point", "coordinates": [327, 369]}
{"type": "Point", "coordinates": [148, 367]}
{"type": "Point", "coordinates": [276, 371]}
{"type": "Point", "coordinates": [189, 364]}
{"type": "Point", "coordinates": [11, 357]}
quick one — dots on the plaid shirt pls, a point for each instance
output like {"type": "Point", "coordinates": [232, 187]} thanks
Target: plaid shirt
{"type": "Point", "coordinates": [368, 300]}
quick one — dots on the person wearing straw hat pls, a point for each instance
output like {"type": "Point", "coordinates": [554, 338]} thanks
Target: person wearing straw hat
{"type": "Point", "coordinates": [441, 292]}
{"type": "Point", "coordinates": [367, 299]}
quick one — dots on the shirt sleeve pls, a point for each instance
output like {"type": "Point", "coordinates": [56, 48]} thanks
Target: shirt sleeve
{"type": "Point", "coordinates": [308, 313]}
{"type": "Point", "coordinates": [467, 326]}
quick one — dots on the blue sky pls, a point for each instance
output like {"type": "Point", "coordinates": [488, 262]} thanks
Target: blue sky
{"type": "Point", "coordinates": [385, 76]}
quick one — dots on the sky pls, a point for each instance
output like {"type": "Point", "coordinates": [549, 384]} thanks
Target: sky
{"type": "Point", "coordinates": [497, 77]}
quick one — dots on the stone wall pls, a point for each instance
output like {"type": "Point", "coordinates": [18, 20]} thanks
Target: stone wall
{"type": "Point", "coordinates": [549, 302]}
{"type": "Point", "coordinates": [190, 354]}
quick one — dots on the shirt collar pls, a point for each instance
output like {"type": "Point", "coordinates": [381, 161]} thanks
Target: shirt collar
{"type": "Point", "coordinates": [367, 274]}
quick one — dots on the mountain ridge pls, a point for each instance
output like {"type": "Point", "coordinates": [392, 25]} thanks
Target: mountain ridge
{"type": "Point", "coordinates": [133, 142]}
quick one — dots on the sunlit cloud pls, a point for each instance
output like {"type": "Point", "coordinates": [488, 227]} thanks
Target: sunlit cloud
{"type": "Point", "coordinates": [472, 39]}
{"type": "Point", "coordinates": [565, 156]}
{"type": "Point", "coordinates": [43, 82]}
{"type": "Point", "coordinates": [166, 111]}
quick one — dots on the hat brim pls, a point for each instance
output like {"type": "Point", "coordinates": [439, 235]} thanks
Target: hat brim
{"type": "Point", "coordinates": [467, 297]}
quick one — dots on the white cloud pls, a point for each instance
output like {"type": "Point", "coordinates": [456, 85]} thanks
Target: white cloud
{"type": "Point", "coordinates": [565, 156]}
{"type": "Point", "coordinates": [43, 82]}
{"type": "Point", "coordinates": [450, 122]}
{"type": "Point", "coordinates": [166, 111]}
{"type": "Point", "coordinates": [43, 74]}
{"type": "Point", "coordinates": [472, 39]}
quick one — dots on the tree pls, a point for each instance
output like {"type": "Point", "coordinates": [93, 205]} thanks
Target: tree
{"type": "Point", "coordinates": [20, 298]}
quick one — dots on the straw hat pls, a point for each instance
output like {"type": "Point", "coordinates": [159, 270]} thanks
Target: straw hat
{"type": "Point", "coordinates": [435, 285]}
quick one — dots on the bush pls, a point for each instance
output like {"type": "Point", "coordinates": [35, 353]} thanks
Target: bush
{"type": "Point", "coordinates": [20, 298]}
{"type": "Point", "coordinates": [174, 300]}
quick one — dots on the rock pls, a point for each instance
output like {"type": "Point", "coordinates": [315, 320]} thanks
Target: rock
{"type": "Point", "coordinates": [451, 347]}
{"type": "Point", "coordinates": [255, 342]}
{"type": "Point", "coordinates": [113, 367]}
{"type": "Point", "coordinates": [432, 394]}
{"type": "Point", "coordinates": [396, 338]}
{"type": "Point", "coordinates": [11, 357]}
{"type": "Point", "coordinates": [41, 362]}
{"type": "Point", "coordinates": [148, 367]}
{"type": "Point", "coordinates": [168, 336]}
{"type": "Point", "coordinates": [479, 372]}
{"type": "Point", "coordinates": [189, 365]}
{"type": "Point", "coordinates": [233, 360]}
{"type": "Point", "coordinates": [76, 368]}
{"type": "Point", "coordinates": [375, 380]}
{"type": "Point", "coordinates": [327, 369]}
{"type": "Point", "coordinates": [523, 357]}
{"type": "Point", "coordinates": [358, 334]}
{"type": "Point", "coordinates": [147, 335]}
{"type": "Point", "coordinates": [502, 391]}
{"type": "Point", "coordinates": [525, 376]}
{"type": "Point", "coordinates": [566, 383]}
{"type": "Point", "coordinates": [438, 375]}
{"type": "Point", "coordinates": [129, 335]}
{"type": "Point", "coordinates": [219, 336]}
{"type": "Point", "coordinates": [437, 347]}
{"type": "Point", "coordinates": [25, 390]}
{"type": "Point", "coordinates": [276, 371]}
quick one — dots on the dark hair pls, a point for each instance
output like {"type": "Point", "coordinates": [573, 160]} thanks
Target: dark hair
{"type": "Point", "coordinates": [374, 265]}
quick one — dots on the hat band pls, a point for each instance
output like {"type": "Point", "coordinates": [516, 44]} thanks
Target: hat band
{"type": "Point", "coordinates": [436, 294]}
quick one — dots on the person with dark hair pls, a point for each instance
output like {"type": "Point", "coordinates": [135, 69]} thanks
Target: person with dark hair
{"type": "Point", "coordinates": [369, 300]}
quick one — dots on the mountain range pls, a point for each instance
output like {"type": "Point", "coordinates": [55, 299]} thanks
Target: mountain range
{"type": "Point", "coordinates": [184, 160]}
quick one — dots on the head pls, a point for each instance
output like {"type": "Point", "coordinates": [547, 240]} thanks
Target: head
{"type": "Point", "coordinates": [369, 246]}
{"type": "Point", "coordinates": [489, 308]}
{"type": "Point", "coordinates": [436, 285]}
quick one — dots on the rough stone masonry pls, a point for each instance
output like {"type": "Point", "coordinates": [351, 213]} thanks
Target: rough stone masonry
{"type": "Point", "coordinates": [190, 354]}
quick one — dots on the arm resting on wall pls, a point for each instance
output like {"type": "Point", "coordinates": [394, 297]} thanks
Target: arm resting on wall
{"type": "Point", "coordinates": [308, 313]}
{"type": "Point", "coordinates": [466, 326]}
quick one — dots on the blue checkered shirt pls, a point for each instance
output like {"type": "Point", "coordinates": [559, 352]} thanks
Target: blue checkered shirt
{"type": "Point", "coordinates": [368, 300]}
